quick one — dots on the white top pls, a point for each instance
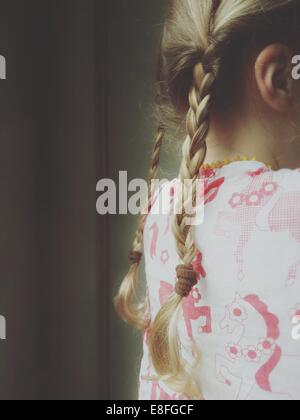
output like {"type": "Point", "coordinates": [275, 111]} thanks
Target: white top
{"type": "Point", "coordinates": [244, 314]}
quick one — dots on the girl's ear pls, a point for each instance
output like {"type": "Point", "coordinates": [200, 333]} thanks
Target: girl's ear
{"type": "Point", "coordinates": [273, 74]}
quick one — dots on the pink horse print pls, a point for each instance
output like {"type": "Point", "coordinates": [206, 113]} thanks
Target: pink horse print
{"type": "Point", "coordinates": [252, 334]}
{"type": "Point", "coordinates": [191, 310]}
{"type": "Point", "coordinates": [212, 187]}
{"type": "Point", "coordinates": [246, 206]}
{"type": "Point", "coordinates": [285, 217]}
{"type": "Point", "coordinates": [260, 199]}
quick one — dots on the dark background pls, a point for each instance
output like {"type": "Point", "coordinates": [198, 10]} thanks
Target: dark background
{"type": "Point", "coordinates": [76, 107]}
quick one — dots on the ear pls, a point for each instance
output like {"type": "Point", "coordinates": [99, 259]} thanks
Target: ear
{"type": "Point", "coordinates": [273, 74]}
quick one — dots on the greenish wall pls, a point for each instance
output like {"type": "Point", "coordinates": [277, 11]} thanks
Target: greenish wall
{"type": "Point", "coordinates": [134, 28]}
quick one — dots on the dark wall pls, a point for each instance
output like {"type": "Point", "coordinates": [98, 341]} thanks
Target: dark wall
{"type": "Point", "coordinates": [76, 107]}
{"type": "Point", "coordinates": [49, 284]}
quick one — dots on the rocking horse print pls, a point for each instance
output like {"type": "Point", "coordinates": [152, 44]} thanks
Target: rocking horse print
{"type": "Point", "coordinates": [285, 217]}
{"type": "Point", "coordinates": [261, 200]}
{"type": "Point", "coordinates": [244, 333]}
{"type": "Point", "coordinates": [252, 364]}
{"type": "Point", "coordinates": [192, 310]}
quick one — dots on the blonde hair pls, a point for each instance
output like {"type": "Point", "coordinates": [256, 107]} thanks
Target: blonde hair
{"type": "Point", "coordinates": [202, 46]}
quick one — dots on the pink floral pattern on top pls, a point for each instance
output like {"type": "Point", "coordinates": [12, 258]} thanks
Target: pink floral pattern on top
{"type": "Point", "coordinates": [241, 312]}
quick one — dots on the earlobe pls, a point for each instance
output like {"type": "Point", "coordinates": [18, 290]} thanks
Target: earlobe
{"type": "Point", "coordinates": [273, 74]}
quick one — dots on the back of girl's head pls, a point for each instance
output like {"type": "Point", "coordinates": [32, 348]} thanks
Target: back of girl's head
{"type": "Point", "coordinates": [206, 48]}
{"type": "Point", "coordinates": [222, 36]}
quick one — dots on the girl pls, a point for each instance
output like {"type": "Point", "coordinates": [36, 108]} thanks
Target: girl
{"type": "Point", "coordinates": [223, 303]}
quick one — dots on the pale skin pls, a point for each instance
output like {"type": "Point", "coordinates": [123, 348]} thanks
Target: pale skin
{"type": "Point", "coordinates": [267, 123]}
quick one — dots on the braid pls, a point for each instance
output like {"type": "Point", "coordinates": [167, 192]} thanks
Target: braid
{"type": "Point", "coordinates": [138, 241]}
{"type": "Point", "coordinates": [194, 153]}
{"type": "Point", "coordinates": [166, 354]}
{"type": "Point", "coordinates": [125, 302]}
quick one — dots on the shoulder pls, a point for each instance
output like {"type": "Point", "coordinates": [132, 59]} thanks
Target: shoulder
{"type": "Point", "coordinates": [288, 179]}
{"type": "Point", "coordinates": [260, 199]}
{"type": "Point", "coordinates": [262, 186]}
{"type": "Point", "coordinates": [282, 185]}
{"type": "Point", "coordinates": [284, 214]}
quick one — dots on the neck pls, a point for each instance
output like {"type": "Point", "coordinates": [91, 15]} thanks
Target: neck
{"type": "Point", "coordinates": [227, 141]}
{"type": "Point", "coordinates": [220, 153]}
